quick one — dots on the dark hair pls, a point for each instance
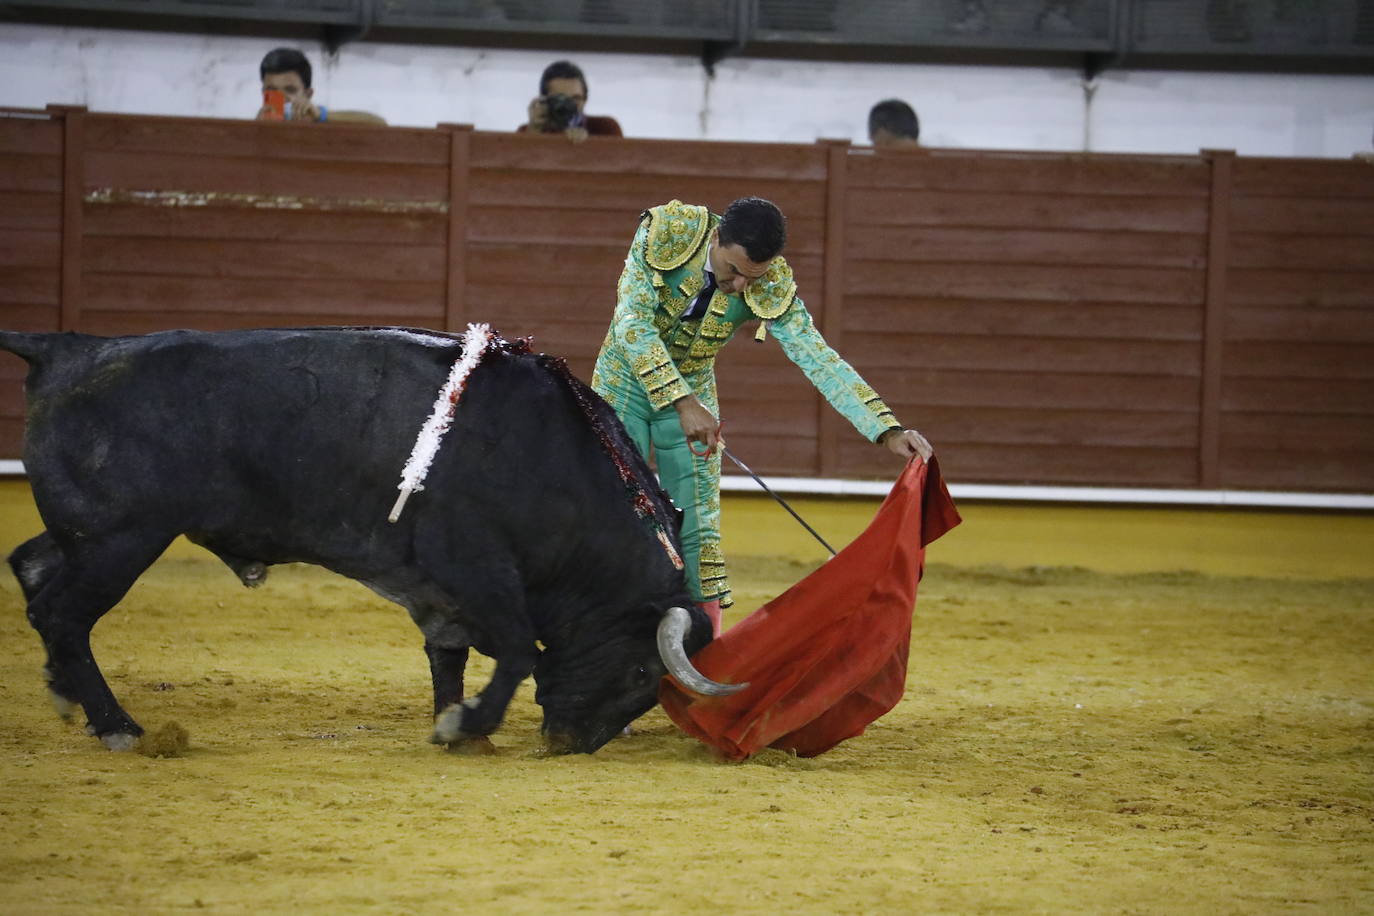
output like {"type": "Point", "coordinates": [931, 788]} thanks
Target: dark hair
{"type": "Point", "coordinates": [757, 226]}
{"type": "Point", "coordinates": [285, 60]}
{"type": "Point", "coordinates": [561, 70]}
{"type": "Point", "coordinates": [895, 117]}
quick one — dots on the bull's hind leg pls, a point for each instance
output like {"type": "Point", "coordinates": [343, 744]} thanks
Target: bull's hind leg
{"type": "Point", "coordinates": [35, 562]}
{"type": "Point", "coordinates": [90, 579]}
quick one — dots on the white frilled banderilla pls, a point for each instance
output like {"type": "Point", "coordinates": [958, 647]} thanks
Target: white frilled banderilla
{"type": "Point", "coordinates": [476, 341]}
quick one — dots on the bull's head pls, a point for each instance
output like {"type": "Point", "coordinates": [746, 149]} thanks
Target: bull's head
{"type": "Point", "coordinates": [590, 698]}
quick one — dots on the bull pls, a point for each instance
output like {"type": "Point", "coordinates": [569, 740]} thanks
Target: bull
{"type": "Point", "coordinates": [280, 446]}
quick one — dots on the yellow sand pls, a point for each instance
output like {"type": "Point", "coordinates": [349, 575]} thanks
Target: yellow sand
{"type": "Point", "coordinates": [1098, 740]}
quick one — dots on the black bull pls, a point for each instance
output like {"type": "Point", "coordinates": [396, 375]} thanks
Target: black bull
{"type": "Point", "coordinates": [280, 446]}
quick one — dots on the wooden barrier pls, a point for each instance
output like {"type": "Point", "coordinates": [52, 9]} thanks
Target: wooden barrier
{"type": "Point", "coordinates": [1166, 321]}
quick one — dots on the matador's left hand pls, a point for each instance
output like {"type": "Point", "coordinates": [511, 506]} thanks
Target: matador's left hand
{"type": "Point", "coordinates": [906, 443]}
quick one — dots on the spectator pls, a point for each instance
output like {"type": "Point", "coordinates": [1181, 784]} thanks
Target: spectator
{"type": "Point", "coordinates": [287, 71]}
{"type": "Point", "coordinates": [558, 109]}
{"type": "Point", "coordinates": [893, 124]}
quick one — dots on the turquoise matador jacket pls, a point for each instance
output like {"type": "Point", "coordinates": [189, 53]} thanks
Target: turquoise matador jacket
{"type": "Point", "coordinates": [651, 357]}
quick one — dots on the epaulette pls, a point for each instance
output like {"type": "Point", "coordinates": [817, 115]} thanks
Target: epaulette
{"type": "Point", "coordinates": [771, 294]}
{"type": "Point", "coordinates": [676, 231]}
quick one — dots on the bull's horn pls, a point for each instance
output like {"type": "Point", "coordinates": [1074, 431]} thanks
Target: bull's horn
{"type": "Point", "coordinates": [672, 648]}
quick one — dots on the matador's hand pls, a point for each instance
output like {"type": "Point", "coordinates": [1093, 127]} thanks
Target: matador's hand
{"type": "Point", "coordinates": [698, 423]}
{"type": "Point", "coordinates": [906, 443]}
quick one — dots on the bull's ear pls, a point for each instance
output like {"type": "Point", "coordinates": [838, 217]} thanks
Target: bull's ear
{"type": "Point", "coordinates": [672, 649]}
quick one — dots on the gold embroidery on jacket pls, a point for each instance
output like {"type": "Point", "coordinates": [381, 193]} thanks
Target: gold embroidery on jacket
{"type": "Point", "coordinates": [676, 231]}
{"type": "Point", "coordinates": [772, 294]}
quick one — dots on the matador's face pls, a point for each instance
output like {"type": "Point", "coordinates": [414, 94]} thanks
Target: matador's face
{"type": "Point", "coordinates": [732, 267]}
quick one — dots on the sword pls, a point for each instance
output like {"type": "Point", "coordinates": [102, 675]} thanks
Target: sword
{"type": "Point", "coordinates": [759, 480]}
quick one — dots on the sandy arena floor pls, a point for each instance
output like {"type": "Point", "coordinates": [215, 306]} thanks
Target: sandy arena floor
{"type": "Point", "coordinates": [1071, 742]}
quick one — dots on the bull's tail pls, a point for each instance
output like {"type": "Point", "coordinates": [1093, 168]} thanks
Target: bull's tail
{"type": "Point", "coordinates": [33, 347]}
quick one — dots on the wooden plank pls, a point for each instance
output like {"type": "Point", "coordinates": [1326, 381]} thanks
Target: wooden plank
{"type": "Point", "coordinates": [304, 177]}
{"type": "Point", "coordinates": [25, 316]}
{"type": "Point", "coordinates": [1293, 395]}
{"type": "Point", "coordinates": [367, 301]}
{"type": "Point", "coordinates": [1299, 360]}
{"type": "Point", "coordinates": [11, 438]}
{"type": "Point", "coordinates": [1302, 323]}
{"type": "Point", "coordinates": [11, 394]}
{"type": "Point", "coordinates": [282, 225]}
{"type": "Point", "coordinates": [1026, 282]}
{"type": "Point", "coordinates": [1105, 320]}
{"type": "Point", "coordinates": [30, 173]}
{"type": "Point", "coordinates": [39, 211]}
{"type": "Point", "coordinates": [561, 225]}
{"type": "Point", "coordinates": [571, 267]}
{"type": "Point", "coordinates": [632, 194]}
{"type": "Point", "coordinates": [1252, 288]}
{"type": "Point", "coordinates": [21, 248]}
{"type": "Point", "coordinates": [788, 456]}
{"type": "Point", "coordinates": [1338, 178]}
{"type": "Point", "coordinates": [921, 244]}
{"type": "Point", "coordinates": [40, 136]}
{"type": "Point", "coordinates": [520, 276]}
{"type": "Point", "coordinates": [658, 158]}
{"type": "Point", "coordinates": [1067, 356]}
{"type": "Point", "coordinates": [1302, 433]}
{"type": "Point", "coordinates": [115, 324]}
{"type": "Point", "coordinates": [538, 298]}
{"type": "Point", "coordinates": [789, 417]}
{"type": "Point", "coordinates": [25, 286]}
{"type": "Point", "coordinates": [1305, 252]}
{"type": "Point", "coordinates": [194, 137]}
{"type": "Point", "coordinates": [552, 226]}
{"type": "Point", "coordinates": [1055, 173]}
{"type": "Point", "coordinates": [911, 390]}
{"type": "Point", "coordinates": [1067, 428]}
{"type": "Point", "coordinates": [964, 462]}
{"type": "Point", "coordinates": [1304, 471]}
{"type": "Point", "coordinates": [1307, 216]}
{"type": "Point", "coordinates": [899, 206]}
{"type": "Point", "coordinates": [743, 389]}
{"type": "Point", "coordinates": [233, 258]}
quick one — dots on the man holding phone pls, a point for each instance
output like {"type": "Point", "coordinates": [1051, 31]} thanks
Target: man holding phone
{"type": "Point", "coordinates": [288, 96]}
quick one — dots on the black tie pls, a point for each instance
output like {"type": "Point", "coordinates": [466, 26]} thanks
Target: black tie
{"type": "Point", "coordinates": [703, 299]}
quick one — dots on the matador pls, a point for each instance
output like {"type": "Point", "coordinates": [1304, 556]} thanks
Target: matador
{"type": "Point", "coordinates": [691, 279]}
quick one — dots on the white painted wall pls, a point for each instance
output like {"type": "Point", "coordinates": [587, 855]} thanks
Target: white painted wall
{"type": "Point", "coordinates": [672, 97]}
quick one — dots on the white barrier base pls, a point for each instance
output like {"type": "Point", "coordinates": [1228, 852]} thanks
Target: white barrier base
{"type": "Point", "coordinates": [818, 486]}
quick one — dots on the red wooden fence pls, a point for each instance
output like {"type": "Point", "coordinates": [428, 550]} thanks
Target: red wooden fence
{"type": "Point", "coordinates": [1177, 321]}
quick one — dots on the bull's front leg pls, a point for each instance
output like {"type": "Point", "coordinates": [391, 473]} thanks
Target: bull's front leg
{"type": "Point", "coordinates": [481, 715]}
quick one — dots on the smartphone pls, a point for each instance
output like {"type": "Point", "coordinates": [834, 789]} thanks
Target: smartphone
{"type": "Point", "coordinates": [275, 102]}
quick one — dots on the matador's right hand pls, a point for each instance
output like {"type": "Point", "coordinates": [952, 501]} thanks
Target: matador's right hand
{"type": "Point", "coordinates": [698, 424]}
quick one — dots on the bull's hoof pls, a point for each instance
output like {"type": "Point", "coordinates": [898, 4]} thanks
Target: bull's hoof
{"type": "Point", "coordinates": [253, 574]}
{"type": "Point", "coordinates": [448, 725]}
{"type": "Point", "coordinates": [119, 741]}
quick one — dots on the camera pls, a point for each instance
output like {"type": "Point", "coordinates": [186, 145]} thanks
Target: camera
{"type": "Point", "coordinates": [560, 112]}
